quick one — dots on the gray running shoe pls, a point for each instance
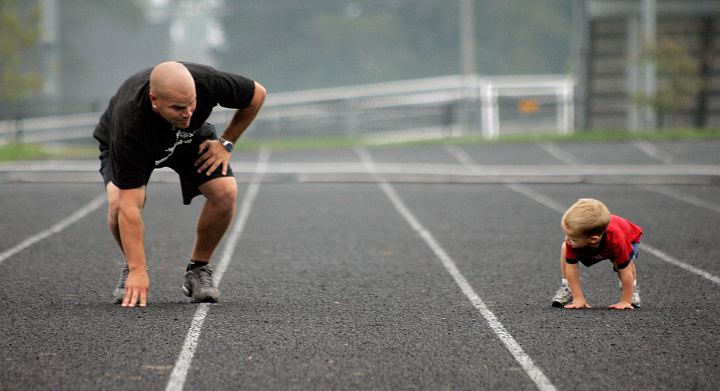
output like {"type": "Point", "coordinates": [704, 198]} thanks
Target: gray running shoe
{"type": "Point", "coordinates": [636, 297]}
{"type": "Point", "coordinates": [119, 292]}
{"type": "Point", "coordinates": [199, 285]}
{"type": "Point", "coordinates": [562, 297]}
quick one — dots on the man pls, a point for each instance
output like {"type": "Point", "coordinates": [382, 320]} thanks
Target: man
{"type": "Point", "coordinates": [157, 119]}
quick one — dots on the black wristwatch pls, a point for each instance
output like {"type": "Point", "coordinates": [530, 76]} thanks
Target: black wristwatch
{"type": "Point", "coordinates": [226, 144]}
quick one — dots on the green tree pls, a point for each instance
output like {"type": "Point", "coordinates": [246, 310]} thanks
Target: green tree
{"type": "Point", "coordinates": [19, 32]}
{"type": "Point", "coordinates": [678, 76]}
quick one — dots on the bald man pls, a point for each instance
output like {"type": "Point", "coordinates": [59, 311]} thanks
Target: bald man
{"type": "Point", "coordinates": [157, 119]}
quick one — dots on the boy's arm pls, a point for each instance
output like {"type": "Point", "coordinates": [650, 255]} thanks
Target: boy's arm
{"type": "Point", "coordinates": [572, 274]}
{"type": "Point", "coordinates": [626, 279]}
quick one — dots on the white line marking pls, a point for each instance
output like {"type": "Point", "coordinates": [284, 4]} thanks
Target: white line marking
{"type": "Point", "coordinates": [678, 195]}
{"type": "Point", "coordinates": [652, 151]}
{"type": "Point", "coordinates": [559, 153]}
{"type": "Point", "coordinates": [462, 157]}
{"type": "Point", "coordinates": [652, 250]}
{"type": "Point", "coordinates": [537, 376]}
{"type": "Point", "coordinates": [182, 365]}
{"type": "Point", "coordinates": [534, 195]}
{"type": "Point", "coordinates": [245, 207]}
{"type": "Point", "coordinates": [79, 214]}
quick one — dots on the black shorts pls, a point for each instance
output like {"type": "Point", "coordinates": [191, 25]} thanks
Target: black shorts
{"type": "Point", "coordinates": [182, 161]}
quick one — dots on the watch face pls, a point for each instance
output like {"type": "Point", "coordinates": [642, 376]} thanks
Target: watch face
{"type": "Point", "coordinates": [226, 144]}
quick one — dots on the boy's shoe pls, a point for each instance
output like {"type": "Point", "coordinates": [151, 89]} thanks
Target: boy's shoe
{"type": "Point", "coordinates": [562, 297]}
{"type": "Point", "coordinates": [199, 285]}
{"type": "Point", "coordinates": [119, 292]}
{"type": "Point", "coordinates": [636, 297]}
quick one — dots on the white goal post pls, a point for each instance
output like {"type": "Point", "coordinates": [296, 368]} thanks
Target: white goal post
{"type": "Point", "coordinates": [530, 93]}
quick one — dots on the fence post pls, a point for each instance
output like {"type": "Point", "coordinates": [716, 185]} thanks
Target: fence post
{"type": "Point", "coordinates": [18, 129]}
{"type": "Point", "coordinates": [488, 99]}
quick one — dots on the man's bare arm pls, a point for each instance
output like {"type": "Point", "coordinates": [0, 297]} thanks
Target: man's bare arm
{"type": "Point", "coordinates": [132, 235]}
{"type": "Point", "coordinates": [212, 153]}
{"type": "Point", "coordinates": [242, 118]}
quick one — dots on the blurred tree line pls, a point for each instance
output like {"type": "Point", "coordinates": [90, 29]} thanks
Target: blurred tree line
{"type": "Point", "coordinates": [320, 43]}
{"type": "Point", "coordinates": [19, 31]}
{"type": "Point", "coordinates": [287, 45]}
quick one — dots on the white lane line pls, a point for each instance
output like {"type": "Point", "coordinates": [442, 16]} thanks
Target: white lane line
{"type": "Point", "coordinates": [652, 151]}
{"type": "Point", "coordinates": [559, 153]}
{"type": "Point", "coordinates": [667, 258]}
{"type": "Point", "coordinates": [534, 195]}
{"type": "Point", "coordinates": [77, 215]}
{"type": "Point", "coordinates": [550, 203]}
{"type": "Point", "coordinates": [182, 365]}
{"type": "Point", "coordinates": [462, 157]}
{"type": "Point", "coordinates": [678, 195]}
{"type": "Point", "coordinates": [537, 376]}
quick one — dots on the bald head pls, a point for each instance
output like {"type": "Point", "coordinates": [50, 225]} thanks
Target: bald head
{"type": "Point", "coordinates": [172, 93]}
{"type": "Point", "coordinates": [171, 78]}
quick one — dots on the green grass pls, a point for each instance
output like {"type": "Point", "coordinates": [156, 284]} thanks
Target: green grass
{"type": "Point", "coordinates": [303, 143]}
{"type": "Point", "coordinates": [19, 151]}
{"type": "Point", "coordinates": [12, 152]}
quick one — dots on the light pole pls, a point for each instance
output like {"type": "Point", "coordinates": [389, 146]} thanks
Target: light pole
{"type": "Point", "coordinates": [467, 37]}
{"type": "Point", "coordinates": [649, 34]}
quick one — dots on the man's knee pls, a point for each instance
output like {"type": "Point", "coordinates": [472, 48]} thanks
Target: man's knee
{"type": "Point", "coordinates": [222, 192]}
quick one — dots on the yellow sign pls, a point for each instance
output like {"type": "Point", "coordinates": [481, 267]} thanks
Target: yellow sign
{"type": "Point", "coordinates": [528, 106]}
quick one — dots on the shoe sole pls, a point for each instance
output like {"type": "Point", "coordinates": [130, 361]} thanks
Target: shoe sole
{"type": "Point", "coordinates": [558, 304]}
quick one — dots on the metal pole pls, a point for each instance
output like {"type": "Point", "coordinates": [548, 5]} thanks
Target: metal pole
{"type": "Point", "coordinates": [649, 22]}
{"type": "Point", "coordinates": [468, 65]}
{"type": "Point", "coordinates": [50, 39]}
{"type": "Point", "coordinates": [634, 73]}
{"type": "Point", "coordinates": [580, 45]}
{"type": "Point", "coordinates": [467, 37]}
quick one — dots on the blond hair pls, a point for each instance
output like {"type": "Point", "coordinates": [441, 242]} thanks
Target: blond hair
{"type": "Point", "coordinates": [587, 217]}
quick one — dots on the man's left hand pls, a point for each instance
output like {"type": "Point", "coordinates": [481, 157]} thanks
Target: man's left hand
{"type": "Point", "coordinates": [622, 305]}
{"type": "Point", "coordinates": [212, 155]}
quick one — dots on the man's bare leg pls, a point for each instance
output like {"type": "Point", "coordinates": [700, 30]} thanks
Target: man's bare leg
{"type": "Point", "coordinates": [216, 215]}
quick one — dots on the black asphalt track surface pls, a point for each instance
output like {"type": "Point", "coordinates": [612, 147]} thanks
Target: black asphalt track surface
{"type": "Point", "coordinates": [329, 287]}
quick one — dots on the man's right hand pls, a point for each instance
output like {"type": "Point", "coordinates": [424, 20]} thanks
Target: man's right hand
{"type": "Point", "coordinates": [136, 288]}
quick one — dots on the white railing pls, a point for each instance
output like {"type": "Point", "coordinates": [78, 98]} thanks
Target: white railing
{"type": "Point", "coordinates": [421, 108]}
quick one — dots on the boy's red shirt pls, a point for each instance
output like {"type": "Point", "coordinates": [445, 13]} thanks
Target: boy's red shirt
{"type": "Point", "coordinates": [616, 244]}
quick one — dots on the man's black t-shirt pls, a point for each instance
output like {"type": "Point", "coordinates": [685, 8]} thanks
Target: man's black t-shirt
{"type": "Point", "coordinates": [136, 139]}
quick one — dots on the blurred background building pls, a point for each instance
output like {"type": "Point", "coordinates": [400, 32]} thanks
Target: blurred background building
{"type": "Point", "coordinates": [648, 64]}
{"type": "Point", "coordinates": [468, 65]}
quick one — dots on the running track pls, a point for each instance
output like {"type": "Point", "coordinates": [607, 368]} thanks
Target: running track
{"type": "Point", "coordinates": [425, 267]}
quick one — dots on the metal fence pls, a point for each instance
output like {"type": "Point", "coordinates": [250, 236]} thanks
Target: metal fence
{"type": "Point", "coordinates": [401, 110]}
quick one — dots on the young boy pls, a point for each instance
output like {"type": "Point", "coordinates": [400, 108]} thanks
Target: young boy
{"type": "Point", "coordinates": [592, 235]}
